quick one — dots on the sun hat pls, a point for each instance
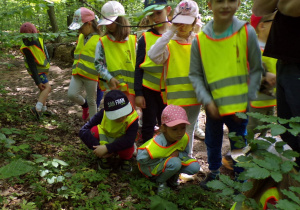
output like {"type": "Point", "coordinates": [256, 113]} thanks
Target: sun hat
{"type": "Point", "coordinates": [116, 105]}
{"type": "Point", "coordinates": [110, 12]}
{"type": "Point", "coordinates": [254, 20]}
{"type": "Point", "coordinates": [186, 12]}
{"type": "Point", "coordinates": [28, 28]}
{"type": "Point", "coordinates": [174, 115]}
{"type": "Point", "coordinates": [81, 16]}
{"type": "Point", "coordinates": [150, 5]}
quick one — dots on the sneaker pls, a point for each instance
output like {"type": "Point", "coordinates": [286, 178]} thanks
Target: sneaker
{"type": "Point", "coordinates": [126, 165]}
{"type": "Point", "coordinates": [209, 177]}
{"type": "Point", "coordinates": [162, 188]}
{"type": "Point", "coordinates": [104, 163]}
{"type": "Point", "coordinates": [227, 161]}
{"type": "Point", "coordinates": [199, 133]}
{"type": "Point", "coordinates": [36, 114]}
{"type": "Point", "coordinates": [186, 177]}
{"type": "Point", "coordinates": [85, 113]}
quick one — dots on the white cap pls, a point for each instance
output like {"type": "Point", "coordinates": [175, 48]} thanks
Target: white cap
{"type": "Point", "coordinates": [110, 12]}
{"type": "Point", "coordinates": [186, 12]}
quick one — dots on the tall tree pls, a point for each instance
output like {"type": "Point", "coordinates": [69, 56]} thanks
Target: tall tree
{"type": "Point", "coordinates": [52, 18]}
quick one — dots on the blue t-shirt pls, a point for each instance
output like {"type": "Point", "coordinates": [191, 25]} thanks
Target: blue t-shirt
{"type": "Point", "coordinates": [226, 33]}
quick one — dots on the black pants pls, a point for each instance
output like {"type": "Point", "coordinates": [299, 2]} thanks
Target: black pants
{"type": "Point", "coordinates": [288, 99]}
{"type": "Point", "coordinates": [152, 113]}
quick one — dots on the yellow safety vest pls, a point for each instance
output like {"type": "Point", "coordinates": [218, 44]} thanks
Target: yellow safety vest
{"type": "Point", "coordinates": [121, 58]}
{"type": "Point", "coordinates": [84, 57]}
{"type": "Point", "coordinates": [260, 102]}
{"type": "Point", "coordinates": [179, 88]}
{"type": "Point", "coordinates": [109, 130]}
{"type": "Point", "coordinates": [270, 193]}
{"type": "Point", "coordinates": [226, 71]}
{"type": "Point", "coordinates": [157, 151]}
{"type": "Point", "coordinates": [152, 72]}
{"type": "Point", "coordinates": [40, 58]}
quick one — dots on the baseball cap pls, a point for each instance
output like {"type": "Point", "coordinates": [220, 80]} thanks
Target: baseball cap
{"type": "Point", "coordinates": [254, 20]}
{"type": "Point", "coordinates": [110, 12]}
{"type": "Point", "coordinates": [116, 105]}
{"type": "Point", "coordinates": [150, 5]}
{"type": "Point", "coordinates": [186, 12]}
{"type": "Point", "coordinates": [28, 28]}
{"type": "Point", "coordinates": [81, 16]}
{"type": "Point", "coordinates": [174, 115]}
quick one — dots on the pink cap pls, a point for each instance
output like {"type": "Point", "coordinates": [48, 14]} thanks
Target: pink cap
{"type": "Point", "coordinates": [81, 16]}
{"type": "Point", "coordinates": [186, 12]}
{"type": "Point", "coordinates": [254, 20]}
{"type": "Point", "coordinates": [28, 28]}
{"type": "Point", "coordinates": [174, 115]}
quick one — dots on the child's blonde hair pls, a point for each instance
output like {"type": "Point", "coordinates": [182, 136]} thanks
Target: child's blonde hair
{"type": "Point", "coordinates": [121, 32]}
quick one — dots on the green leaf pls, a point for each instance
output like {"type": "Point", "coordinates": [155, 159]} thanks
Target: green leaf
{"type": "Point", "coordinates": [239, 198]}
{"type": "Point", "coordinates": [44, 173]}
{"type": "Point", "coordinates": [158, 203]}
{"type": "Point", "coordinates": [60, 178]}
{"type": "Point", "coordinates": [267, 164]}
{"type": "Point", "coordinates": [51, 180]}
{"type": "Point", "coordinates": [286, 204]}
{"type": "Point", "coordinates": [14, 169]}
{"type": "Point", "coordinates": [55, 164]}
{"type": "Point", "coordinates": [63, 163]}
{"type": "Point", "coordinates": [257, 173]}
{"type": "Point", "coordinates": [277, 176]}
{"type": "Point", "coordinates": [277, 130]}
{"type": "Point", "coordinates": [286, 166]}
{"type": "Point", "coordinates": [241, 115]}
{"type": "Point", "coordinates": [291, 195]}
{"type": "Point", "coordinates": [295, 189]}
{"type": "Point", "coordinates": [216, 185]}
{"type": "Point", "coordinates": [227, 180]}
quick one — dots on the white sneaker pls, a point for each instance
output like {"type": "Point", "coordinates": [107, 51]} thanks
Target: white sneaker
{"type": "Point", "coordinates": [199, 133]}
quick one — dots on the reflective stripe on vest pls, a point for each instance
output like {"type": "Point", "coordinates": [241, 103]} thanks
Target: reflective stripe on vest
{"type": "Point", "coordinates": [270, 193]}
{"type": "Point", "coordinates": [40, 59]}
{"type": "Point", "coordinates": [109, 130]}
{"type": "Point", "coordinates": [179, 88]}
{"type": "Point", "coordinates": [84, 57]}
{"type": "Point", "coordinates": [157, 151]}
{"type": "Point", "coordinates": [263, 100]}
{"type": "Point", "coordinates": [120, 58]}
{"type": "Point", "coordinates": [152, 71]}
{"type": "Point", "coordinates": [226, 70]}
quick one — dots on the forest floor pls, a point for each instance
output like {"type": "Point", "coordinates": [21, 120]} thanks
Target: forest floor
{"type": "Point", "coordinates": [21, 87]}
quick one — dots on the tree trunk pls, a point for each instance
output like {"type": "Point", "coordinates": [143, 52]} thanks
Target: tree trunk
{"type": "Point", "coordinates": [52, 18]}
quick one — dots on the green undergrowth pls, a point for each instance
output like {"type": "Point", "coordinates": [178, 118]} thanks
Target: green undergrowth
{"type": "Point", "coordinates": [45, 166]}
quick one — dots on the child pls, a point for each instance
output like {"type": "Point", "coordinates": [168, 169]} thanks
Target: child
{"type": "Point", "coordinates": [265, 102]}
{"type": "Point", "coordinates": [84, 74]}
{"type": "Point", "coordinates": [148, 75]}
{"type": "Point", "coordinates": [220, 76]}
{"type": "Point", "coordinates": [37, 63]}
{"type": "Point", "coordinates": [112, 130]}
{"type": "Point", "coordinates": [165, 156]}
{"type": "Point", "coordinates": [115, 53]}
{"type": "Point", "coordinates": [173, 51]}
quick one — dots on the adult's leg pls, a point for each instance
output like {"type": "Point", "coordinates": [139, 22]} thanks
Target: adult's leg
{"type": "Point", "coordinates": [288, 99]}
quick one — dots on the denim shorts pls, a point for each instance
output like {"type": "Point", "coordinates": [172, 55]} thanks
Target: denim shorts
{"type": "Point", "coordinates": [43, 78]}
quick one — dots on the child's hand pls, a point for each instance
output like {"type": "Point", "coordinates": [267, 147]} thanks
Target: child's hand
{"type": "Point", "coordinates": [42, 86]}
{"type": "Point", "coordinates": [140, 102]}
{"type": "Point", "coordinates": [271, 78]}
{"type": "Point", "coordinates": [113, 83]}
{"type": "Point", "coordinates": [175, 153]}
{"type": "Point", "coordinates": [213, 111]}
{"type": "Point", "coordinates": [100, 150]}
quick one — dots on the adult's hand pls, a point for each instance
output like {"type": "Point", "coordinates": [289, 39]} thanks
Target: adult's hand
{"type": "Point", "coordinates": [140, 102]}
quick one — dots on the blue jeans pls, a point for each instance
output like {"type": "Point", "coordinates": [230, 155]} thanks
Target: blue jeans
{"type": "Point", "coordinates": [288, 99]}
{"type": "Point", "coordinates": [214, 138]}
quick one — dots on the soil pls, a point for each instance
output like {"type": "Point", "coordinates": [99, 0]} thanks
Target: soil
{"type": "Point", "coordinates": [21, 86]}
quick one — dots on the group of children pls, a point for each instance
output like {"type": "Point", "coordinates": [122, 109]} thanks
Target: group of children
{"type": "Point", "coordinates": [172, 72]}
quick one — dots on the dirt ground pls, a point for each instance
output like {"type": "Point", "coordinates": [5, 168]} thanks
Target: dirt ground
{"type": "Point", "coordinates": [22, 87]}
